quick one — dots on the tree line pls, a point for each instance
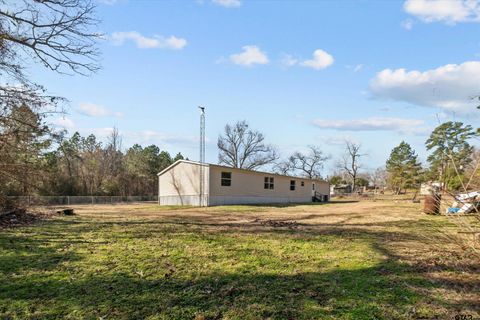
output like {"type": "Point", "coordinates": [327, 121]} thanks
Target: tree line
{"type": "Point", "coordinates": [61, 36]}
{"type": "Point", "coordinates": [453, 161]}
{"type": "Point", "coordinates": [43, 162]}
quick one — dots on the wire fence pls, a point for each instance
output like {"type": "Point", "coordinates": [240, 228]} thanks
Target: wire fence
{"type": "Point", "coordinates": [71, 200]}
{"type": "Point", "coordinates": [378, 196]}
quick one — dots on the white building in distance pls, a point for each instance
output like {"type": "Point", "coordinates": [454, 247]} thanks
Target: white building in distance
{"type": "Point", "coordinates": [179, 184]}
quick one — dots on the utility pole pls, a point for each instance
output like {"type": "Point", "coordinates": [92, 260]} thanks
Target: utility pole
{"type": "Point", "coordinates": [202, 156]}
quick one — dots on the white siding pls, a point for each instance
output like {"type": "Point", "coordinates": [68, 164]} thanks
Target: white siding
{"type": "Point", "coordinates": [180, 185]}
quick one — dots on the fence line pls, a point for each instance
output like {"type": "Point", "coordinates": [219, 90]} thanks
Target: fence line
{"type": "Point", "coordinates": [378, 196]}
{"type": "Point", "coordinates": [70, 200]}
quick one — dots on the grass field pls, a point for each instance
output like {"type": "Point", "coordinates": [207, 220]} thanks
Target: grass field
{"type": "Point", "coordinates": [345, 260]}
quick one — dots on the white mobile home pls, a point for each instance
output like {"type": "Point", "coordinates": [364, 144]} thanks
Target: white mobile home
{"type": "Point", "coordinates": [179, 184]}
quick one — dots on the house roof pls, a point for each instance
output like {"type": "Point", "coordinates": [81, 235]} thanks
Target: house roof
{"type": "Point", "coordinates": [230, 168]}
{"type": "Point", "coordinates": [180, 161]}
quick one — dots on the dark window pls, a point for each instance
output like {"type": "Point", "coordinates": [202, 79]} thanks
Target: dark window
{"type": "Point", "coordinates": [303, 184]}
{"type": "Point", "coordinates": [226, 179]}
{"type": "Point", "coordinates": [292, 185]}
{"type": "Point", "coordinates": [268, 183]}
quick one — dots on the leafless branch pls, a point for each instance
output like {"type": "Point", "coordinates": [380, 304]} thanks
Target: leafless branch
{"type": "Point", "coordinates": [241, 147]}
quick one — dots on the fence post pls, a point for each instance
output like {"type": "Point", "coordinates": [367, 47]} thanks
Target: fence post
{"type": "Point", "coordinates": [92, 199]}
{"type": "Point", "coordinates": [68, 200]}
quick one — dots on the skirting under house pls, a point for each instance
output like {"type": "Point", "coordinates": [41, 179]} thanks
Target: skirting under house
{"type": "Point", "coordinates": [180, 184]}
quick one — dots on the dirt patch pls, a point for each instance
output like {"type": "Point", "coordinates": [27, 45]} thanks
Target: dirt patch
{"type": "Point", "coordinates": [277, 223]}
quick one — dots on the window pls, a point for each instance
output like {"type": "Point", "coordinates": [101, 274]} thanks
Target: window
{"type": "Point", "coordinates": [303, 183]}
{"type": "Point", "coordinates": [292, 185]}
{"type": "Point", "coordinates": [268, 183]}
{"type": "Point", "coordinates": [226, 179]}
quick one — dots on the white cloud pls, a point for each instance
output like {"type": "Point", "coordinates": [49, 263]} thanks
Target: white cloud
{"type": "Point", "coordinates": [321, 60]}
{"type": "Point", "coordinates": [337, 140]}
{"type": "Point", "coordinates": [144, 137]}
{"type": "Point", "coordinates": [228, 3]}
{"type": "Point", "coordinates": [450, 87]}
{"type": "Point", "coordinates": [64, 122]}
{"type": "Point", "coordinates": [374, 124]}
{"type": "Point", "coordinates": [251, 55]}
{"type": "Point", "coordinates": [101, 133]}
{"type": "Point", "coordinates": [94, 110]}
{"type": "Point", "coordinates": [161, 138]}
{"type": "Point", "coordinates": [448, 11]}
{"type": "Point", "coordinates": [142, 42]}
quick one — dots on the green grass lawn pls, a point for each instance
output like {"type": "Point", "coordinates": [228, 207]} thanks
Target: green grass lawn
{"type": "Point", "coordinates": [147, 262]}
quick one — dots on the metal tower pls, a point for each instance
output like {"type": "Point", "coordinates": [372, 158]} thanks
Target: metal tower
{"type": "Point", "coordinates": [202, 156]}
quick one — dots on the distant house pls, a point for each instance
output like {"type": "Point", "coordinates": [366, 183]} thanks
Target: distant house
{"type": "Point", "coordinates": [430, 187]}
{"type": "Point", "coordinates": [340, 189]}
{"type": "Point", "coordinates": [179, 184]}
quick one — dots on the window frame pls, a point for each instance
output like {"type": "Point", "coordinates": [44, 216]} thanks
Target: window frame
{"type": "Point", "coordinates": [269, 183]}
{"type": "Point", "coordinates": [226, 181]}
{"type": "Point", "coordinates": [293, 185]}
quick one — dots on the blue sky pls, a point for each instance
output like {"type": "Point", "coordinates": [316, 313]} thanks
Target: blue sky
{"type": "Point", "coordinates": [302, 72]}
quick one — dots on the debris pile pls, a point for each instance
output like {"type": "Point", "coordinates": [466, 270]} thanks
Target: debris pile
{"type": "Point", "coordinates": [20, 217]}
{"type": "Point", "coordinates": [66, 212]}
{"type": "Point", "coordinates": [276, 223]}
{"type": "Point", "coordinates": [466, 203]}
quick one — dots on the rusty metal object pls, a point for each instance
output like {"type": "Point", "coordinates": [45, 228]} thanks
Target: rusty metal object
{"type": "Point", "coordinates": [432, 204]}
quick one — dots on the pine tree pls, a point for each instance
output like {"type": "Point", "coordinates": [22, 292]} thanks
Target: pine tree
{"type": "Point", "coordinates": [403, 168]}
{"type": "Point", "coordinates": [24, 137]}
{"type": "Point", "coordinates": [451, 152]}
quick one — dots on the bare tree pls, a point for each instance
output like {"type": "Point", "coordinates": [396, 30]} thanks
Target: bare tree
{"type": "Point", "coordinates": [378, 178]}
{"type": "Point", "coordinates": [309, 164]}
{"type": "Point", "coordinates": [283, 167]}
{"type": "Point", "coordinates": [113, 153]}
{"type": "Point", "coordinates": [350, 162]}
{"type": "Point", "coordinates": [54, 32]}
{"type": "Point", "coordinates": [241, 147]}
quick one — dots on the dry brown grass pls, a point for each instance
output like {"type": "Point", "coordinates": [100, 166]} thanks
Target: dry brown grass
{"type": "Point", "coordinates": [342, 212]}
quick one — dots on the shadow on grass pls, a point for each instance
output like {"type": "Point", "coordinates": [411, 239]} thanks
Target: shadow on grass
{"type": "Point", "coordinates": [386, 290]}
{"type": "Point", "coordinates": [28, 254]}
{"type": "Point", "coordinates": [381, 292]}
{"type": "Point", "coordinates": [361, 294]}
